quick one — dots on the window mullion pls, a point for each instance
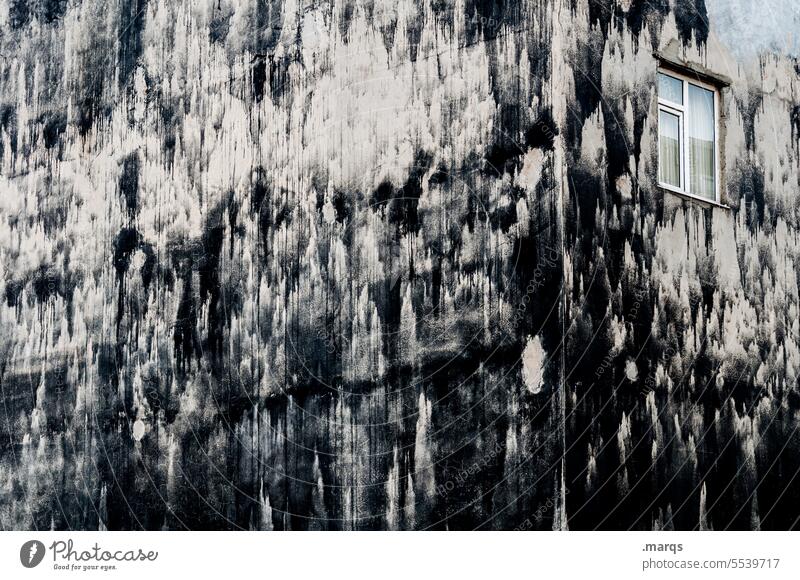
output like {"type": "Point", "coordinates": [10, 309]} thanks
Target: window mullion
{"type": "Point", "coordinates": [717, 190]}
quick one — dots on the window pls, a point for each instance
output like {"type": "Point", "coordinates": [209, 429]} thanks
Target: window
{"type": "Point", "coordinates": [688, 151]}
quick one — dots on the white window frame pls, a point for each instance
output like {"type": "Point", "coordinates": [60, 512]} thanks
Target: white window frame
{"type": "Point", "coordinates": [681, 111]}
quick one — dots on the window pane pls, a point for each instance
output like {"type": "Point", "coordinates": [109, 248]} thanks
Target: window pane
{"type": "Point", "coordinates": [670, 88]}
{"type": "Point", "coordinates": [701, 142]}
{"type": "Point", "coordinates": [669, 149]}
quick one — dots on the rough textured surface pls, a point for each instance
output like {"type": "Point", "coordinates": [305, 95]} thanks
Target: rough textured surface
{"type": "Point", "coordinates": [388, 265]}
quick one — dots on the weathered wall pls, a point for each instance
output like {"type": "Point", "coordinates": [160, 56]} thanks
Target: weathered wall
{"type": "Point", "coordinates": [290, 240]}
{"type": "Point", "coordinates": [344, 265]}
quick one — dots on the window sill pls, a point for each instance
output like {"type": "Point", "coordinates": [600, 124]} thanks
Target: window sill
{"type": "Point", "coordinates": [694, 198]}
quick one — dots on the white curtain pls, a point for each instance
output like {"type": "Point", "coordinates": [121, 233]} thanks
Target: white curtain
{"type": "Point", "coordinates": [669, 164]}
{"type": "Point", "coordinates": [701, 142]}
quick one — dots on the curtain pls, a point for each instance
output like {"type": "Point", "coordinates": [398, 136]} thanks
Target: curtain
{"type": "Point", "coordinates": [669, 146]}
{"type": "Point", "coordinates": [701, 142]}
